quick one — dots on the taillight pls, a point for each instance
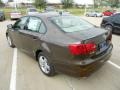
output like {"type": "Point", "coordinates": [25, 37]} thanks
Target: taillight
{"type": "Point", "coordinates": [82, 49]}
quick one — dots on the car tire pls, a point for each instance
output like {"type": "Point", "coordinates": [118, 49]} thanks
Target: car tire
{"type": "Point", "coordinates": [109, 27]}
{"type": "Point", "coordinates": [95, 15]}
{"type": "Point", "coordinates": [10, 42]}
{"type": "Point", "coordinates": [4, 18]}
{"type": "Point", "coordinates": [45, 66]}
{"type": "Point", "coordinates": [87, 15]}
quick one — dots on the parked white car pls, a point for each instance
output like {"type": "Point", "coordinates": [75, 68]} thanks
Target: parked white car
{"type": "Point", "coordinates": [32, 11]}
{"type": "Point", "coordinates": [94, 14]}
{"type": "Point", "coordinates": [15, 15]}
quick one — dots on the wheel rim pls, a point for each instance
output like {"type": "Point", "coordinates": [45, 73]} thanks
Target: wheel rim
{"type": "Point", "coordinates": [108, 28]}
{"type": "Point", "coordinates": [9, 40]}
{"type": "Point", "coordinates": [44, 65]}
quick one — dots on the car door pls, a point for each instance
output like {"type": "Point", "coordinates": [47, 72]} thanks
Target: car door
{"type": "Point", "coordinates": [14, 32]}
{"type": "Point", "coordinates": [116, 23]}
{"type": "Point", "coordinates": [32, 34]}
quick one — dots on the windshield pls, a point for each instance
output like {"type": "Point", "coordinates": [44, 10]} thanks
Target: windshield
{"type": "Point", "coordinates": [71, 23]}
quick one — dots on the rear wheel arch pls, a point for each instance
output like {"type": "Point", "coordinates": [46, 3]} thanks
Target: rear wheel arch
{"type": "Point", "coordinates": [109, 25]}
{"type": "Point", "coordinates": [44, 49]}
{"type": "Point", "coordinates": [10, 41]}
{"type": "Point", "coordinates": [6, 34]}
{"type": "Point", "coordinates": [38, 51]}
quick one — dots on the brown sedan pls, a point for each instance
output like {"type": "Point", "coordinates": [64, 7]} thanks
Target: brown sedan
{"type": "Point", "coordinates": [61, 43]}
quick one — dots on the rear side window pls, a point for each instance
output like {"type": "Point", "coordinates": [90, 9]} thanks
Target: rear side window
{"type": "Point", "coordinates": [33, 24]}
{"type": "Point", "coordinates": [42, 28]}
{"type": "Point", "coordinates": [36, 25]}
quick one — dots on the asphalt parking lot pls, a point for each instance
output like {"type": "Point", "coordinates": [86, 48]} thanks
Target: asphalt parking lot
{"type": "Point", "coordinates": [29, 77]}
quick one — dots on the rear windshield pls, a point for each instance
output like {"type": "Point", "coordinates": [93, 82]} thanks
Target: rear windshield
{"type": "Point", "coordinates": [71, 23]}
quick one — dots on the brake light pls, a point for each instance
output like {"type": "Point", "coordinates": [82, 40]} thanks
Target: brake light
{"type": "Point", "coordinates": [82, 49]}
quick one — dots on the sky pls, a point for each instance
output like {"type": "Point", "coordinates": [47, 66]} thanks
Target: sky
{"type": "Point", "coordinates": [4, 0]}
{"type": "Point", "coordinates": [84, 1]}
{"type": "Point", "coordinates": [77, 1]}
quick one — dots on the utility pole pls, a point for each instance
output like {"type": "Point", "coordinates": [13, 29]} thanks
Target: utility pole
{"type": "Point", "coordinates": [15, 5]}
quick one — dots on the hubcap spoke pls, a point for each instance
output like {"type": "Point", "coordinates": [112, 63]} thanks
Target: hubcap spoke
{"type": "Point", "coordinates": [44, 65]}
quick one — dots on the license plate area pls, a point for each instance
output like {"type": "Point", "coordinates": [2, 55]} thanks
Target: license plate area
{"type": "Point", "coordinates": [103, 46]}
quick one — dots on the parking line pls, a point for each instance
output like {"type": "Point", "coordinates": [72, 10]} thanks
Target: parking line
{"type": "Point", "coordinates": [115, 65]}
{"type": "Point", "coordinates": [13, 73]}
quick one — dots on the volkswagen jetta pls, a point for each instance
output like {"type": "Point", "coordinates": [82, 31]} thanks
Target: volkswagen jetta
{"type": "Point", "coordinates": [61, 43]}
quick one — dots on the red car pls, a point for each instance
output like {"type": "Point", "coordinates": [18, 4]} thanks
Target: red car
{"type": "Point", "coordinates": [107, 13]}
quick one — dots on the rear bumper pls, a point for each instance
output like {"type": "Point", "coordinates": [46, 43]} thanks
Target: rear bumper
{"type": "Point", "coordinates": [83, 69]}
{"type": "Point", "coordinates": [15, 17]}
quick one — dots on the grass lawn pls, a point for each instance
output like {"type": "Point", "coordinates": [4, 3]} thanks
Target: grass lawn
{"type": "Point", "coordinates": [8, 10]}
{"type": "Point", "coordinates": [75, 11]}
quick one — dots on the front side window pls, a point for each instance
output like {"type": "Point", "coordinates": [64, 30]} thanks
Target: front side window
{"type": "Point", "coordinates": [33, 24]}
{"type": "Point", "coordinates": [20, 23]}
{"type": "Point", "coordinates": [71, 23]}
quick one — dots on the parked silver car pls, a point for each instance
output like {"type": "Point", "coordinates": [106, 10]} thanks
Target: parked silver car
{"type": "Point", "coordinates": [31, 11]}
{"type": "Point", "coordinates": [15, 15]}
{"type": "Point", "coordinates": [94, 14]}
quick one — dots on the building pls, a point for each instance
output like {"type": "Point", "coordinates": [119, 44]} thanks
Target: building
{"type": "Point", "coordinates": [23, 1]}
{"type": "Point", "coordinates": [20, 3]}
{"type": "Point", "coordinates": [10, 0]}
{"type": "Point", "coordinates": [52, 2]}
{"type": "Point", "coordinates": [84, 2]}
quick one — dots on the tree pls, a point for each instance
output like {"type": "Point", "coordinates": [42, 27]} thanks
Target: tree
{"type": "Point", "coordinates": [114, 3]}
{"type": "Point", "coordinates": [67, 3]}
{"type": "Point", "coordinates": [40, 3]}
{"type": "Point", "coordinates": [1, 3]}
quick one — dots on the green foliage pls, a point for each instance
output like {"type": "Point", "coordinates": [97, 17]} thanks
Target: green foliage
{"type": "Point", "coordinates": [112, 3]}
{"type": "Point", "coordinates": [40, 4]}
{"type": "Point", "coordinates": [1, 3]}
{"type": "Point", "coordinates": [67, 3]}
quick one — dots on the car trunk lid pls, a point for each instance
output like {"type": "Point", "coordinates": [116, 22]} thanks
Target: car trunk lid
{"type": "Point", "coordinates": [97, 36]}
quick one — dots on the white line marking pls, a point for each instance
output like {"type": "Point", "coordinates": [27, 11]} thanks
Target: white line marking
{"type": "Point", "coordinates": [115, 65]}
{"type": "Point", "coordinates": [13, 73]}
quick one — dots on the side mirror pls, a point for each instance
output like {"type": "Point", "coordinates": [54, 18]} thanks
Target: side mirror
{"type": "Point", "coordinates": [10, 26]}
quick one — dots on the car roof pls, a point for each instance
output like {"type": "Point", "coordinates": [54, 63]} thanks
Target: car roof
{"type": "Point", "coordinates": [51, 14]}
